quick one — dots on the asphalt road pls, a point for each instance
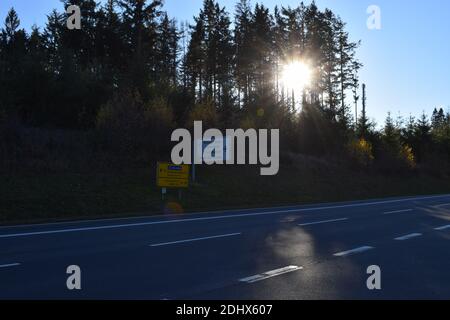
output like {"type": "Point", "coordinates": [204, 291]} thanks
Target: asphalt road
{"type": "Point", "coordinates": [304, 252]}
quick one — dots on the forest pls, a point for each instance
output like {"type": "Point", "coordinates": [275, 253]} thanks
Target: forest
{"type": "Point", "coordinates": [112, 92]}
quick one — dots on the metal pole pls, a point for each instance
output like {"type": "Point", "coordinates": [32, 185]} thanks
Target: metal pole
{"type": "Point", "coordinates": [193, 163]}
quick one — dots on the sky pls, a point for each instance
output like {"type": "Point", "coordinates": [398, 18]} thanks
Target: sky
{"type": "Point", "coordinates": [406, 62]}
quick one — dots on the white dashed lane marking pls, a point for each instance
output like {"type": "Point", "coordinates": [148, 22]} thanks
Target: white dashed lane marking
{"type": "Point", "coordinates": [10, 265]}
{"type": "Point", "coordinates": [442, 228]}
{"type": "Point", "coordinates": [195, 239]}
{"type": "Point", "coordinates": [408, 236]}
{"type": "Point", "coordinates": [321, 222]}
{"type": "Point", "coordinates": [353, 251]}
{"type": "Point", "coordinates": [270, 274]}
{"type": "Point", "coordinates": [398, 211]}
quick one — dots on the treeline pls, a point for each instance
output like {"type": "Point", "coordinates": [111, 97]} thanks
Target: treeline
{"type": "Point", "coordinates": [132, 74]}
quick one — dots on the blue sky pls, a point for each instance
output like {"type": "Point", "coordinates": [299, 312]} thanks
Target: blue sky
{"type": "Point", "coordinates": [406, 63]}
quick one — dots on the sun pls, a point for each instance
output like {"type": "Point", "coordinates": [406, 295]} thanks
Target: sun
{"type": "Point", "coordinates": [296, 76]}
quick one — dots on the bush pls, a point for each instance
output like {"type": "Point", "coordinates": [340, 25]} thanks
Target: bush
{"type": "Point", "coordinates": [30, 149]}
{"type": "Point", "coordinates": [132, 128]}
{"type": "Point", "coordinates": [360, 153]}
{"type": "Point", "coordinates": [206, 112]}
{"type": "Point", "coordinates": [396, 159]}
{"type": "Point", "coordinates": [436, 164]}
{"type": "Point", "coordinates": [407, 156]}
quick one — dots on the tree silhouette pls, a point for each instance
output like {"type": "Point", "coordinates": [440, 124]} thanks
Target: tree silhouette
{"type": "Point", "coordinates": [228, 73]}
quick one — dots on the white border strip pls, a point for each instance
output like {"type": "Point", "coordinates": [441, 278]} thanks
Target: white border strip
{"type": "Point", "coordinates": [300, 207]}
{"type": "Point", "coordinates": [229, 216]}
{"type": "Point", "coordinates": [270, 274]}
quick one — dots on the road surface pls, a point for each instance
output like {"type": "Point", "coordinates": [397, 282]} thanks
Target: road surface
{"type": "Point", "coordinates": [300, 252]}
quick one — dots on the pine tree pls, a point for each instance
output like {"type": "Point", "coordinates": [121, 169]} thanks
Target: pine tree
{"type": "Point", "coordinates": [355, 89]}
{"type": "Point", "coordinates": [408, 132]}
{"type": "Point", "coordinates": [132, 45]}
{"type": "Point", "coordinates": [14, 50]}
{"type": "Point", "coordinates": [224, 61]}
{"type": "Point", "coordinates": [183, 33]}
{"type": "Point", "coordinates": [262, 51]}
{"type": "Point", "coordinates": [167, 51]}
{"type": "Point", "coordinates": [37, 80]}
{"type": "Point", "coordinates": [363, 124]}
{"type": "Point", "coordinates": [347, 63]}
{"type": "Point", "coordinates": [195, 57]}
{"type": "Point", "coordinates": [330, 63]}
{"type": "Point", "coordinates": [140, 30]}
{"type": "Point", "coordinates": [423, 137]}
{"type": "Point", "coordinates": [243, 43]}
{"type": "Point", "coordinates": [110, 43]}
{"type": "Point", "coordinates": [12, 23]}
{"type": "Point", "coordinates": [391, 132]}
{"type": "Point", "coordinates": [52, 40]}
{"type": "Point", "coordinates": [438, 119]}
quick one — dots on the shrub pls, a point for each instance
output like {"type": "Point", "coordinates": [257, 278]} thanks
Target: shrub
{"type": "Point", "coordinates": [129, 126]}
{"type": "Point", "coordinates": [206, 112]}
{"type": "Point", "coordinates": [407, 156]}
{"type": "Point", "coordinates": [396, 159]}
{"type": "Point", "coordinates": [360, 152]}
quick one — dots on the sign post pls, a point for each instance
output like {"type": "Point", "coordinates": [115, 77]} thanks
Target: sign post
{"type": "Point", "coordinates": [222, 144]}
{"type": "Point", "coordinates": [169, 175]}
{"type": "Point", "coordinates": [193, 164]}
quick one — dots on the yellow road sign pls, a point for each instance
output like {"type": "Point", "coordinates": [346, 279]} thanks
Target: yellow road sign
{"type": "Point", "coordinates": [170, 175]}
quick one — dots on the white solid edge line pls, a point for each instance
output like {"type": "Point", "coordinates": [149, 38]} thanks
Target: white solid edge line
{"type": "Point", "coordinates": [408, 236]}
{"type": "Point", "coordinates": [270, 274]}
{"type": "Point", "coordinates": [360, 203]}
{"type": "Point", "coordinates": [9, 265]}
{"type": "Point", "coordinates": [195, 239]}
{"type": "Point", "coordinates": [398, 211]}
{"type": "Point", "coordinates": [322, 222]}
{"type": "Point", "coordinates": [230, 216]}
{"type": "Point", "coordinates": [353, 251]}
{"type": "Point", "coordinates": [442, 228]}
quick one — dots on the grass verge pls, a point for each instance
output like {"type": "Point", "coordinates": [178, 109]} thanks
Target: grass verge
{"type": "Point", "coordinates": [30, 198]}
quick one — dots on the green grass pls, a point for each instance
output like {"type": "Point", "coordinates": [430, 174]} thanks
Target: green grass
{"type": "Point", "coordinates": [49, 197]}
